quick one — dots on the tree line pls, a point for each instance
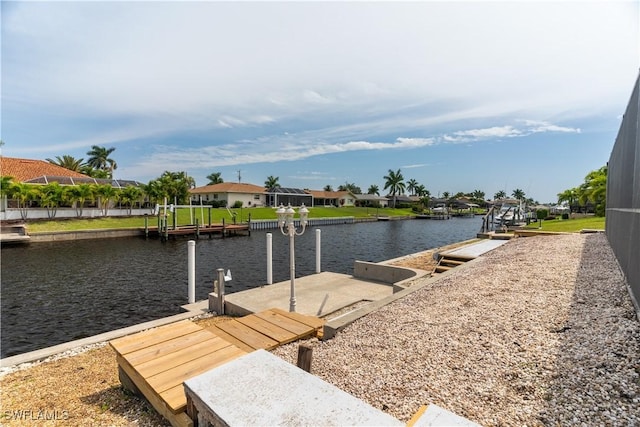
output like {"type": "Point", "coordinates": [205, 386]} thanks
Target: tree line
{"type": "Point", "coordinates": [593, 190]}
{"type": "Point", "coordinates": [175, 186]}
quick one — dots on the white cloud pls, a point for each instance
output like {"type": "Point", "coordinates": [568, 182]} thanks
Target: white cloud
{"type": "Point", "coordinates": [492, 132]}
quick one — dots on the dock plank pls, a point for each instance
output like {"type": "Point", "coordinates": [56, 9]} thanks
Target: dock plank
{"type": "Point", "coordinates": [233, 340]}
{"type": "Point", "coordinates": [150, 337]}
{"type": "Point", "coordinates": [158, 350]}
{"type": "Point", "coordinates": [285, 322]}
{"type": "Point", "coordinates": [178, 418]}
{"type": "Point", "coordinates": [249, 336]}
{"type": "Point", "coordinates": [185, 354]}
{"type": "Point", "coordinates": [178, 374]}
{"type": "Point", "coordinates": [312, 321]}
{"type": "Point", "coordinates": [267, 328]}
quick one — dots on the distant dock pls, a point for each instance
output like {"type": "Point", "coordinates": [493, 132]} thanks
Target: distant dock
{"type": "Point", "coordinates": [222, 230]}
{"type": "Point", "coordinates": [433, 216]}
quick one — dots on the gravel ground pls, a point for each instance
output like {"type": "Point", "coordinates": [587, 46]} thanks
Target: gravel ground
{"type": "Point", "coordinates": [538, 332]}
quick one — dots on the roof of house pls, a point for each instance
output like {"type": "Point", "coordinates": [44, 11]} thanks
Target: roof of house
{"type": "Point", "coordinates": [288, 190]}
{"type": "Point", "coordinates": [229, 187]}
{"type": "Point", "coordinates": [321, 194]}
{"type": "Point", "coordinates": [27, 169]}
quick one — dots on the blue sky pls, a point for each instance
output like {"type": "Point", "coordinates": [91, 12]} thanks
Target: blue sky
{"type": "Point", "coordinates": [460, 96]}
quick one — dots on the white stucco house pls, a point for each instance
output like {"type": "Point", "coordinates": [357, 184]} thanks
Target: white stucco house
{"type": "Point", "coordinates": [230, 192]}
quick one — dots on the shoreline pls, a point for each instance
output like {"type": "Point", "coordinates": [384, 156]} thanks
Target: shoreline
{"type": "Point", "coordinates": [50, 353]}
{"type": "Point", "coordinates": [506, 365]}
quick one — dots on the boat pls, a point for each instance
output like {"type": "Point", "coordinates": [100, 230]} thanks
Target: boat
{"type": "Point", "coordinates": [507, 214]}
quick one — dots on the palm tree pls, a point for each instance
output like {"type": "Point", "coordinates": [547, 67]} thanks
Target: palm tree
{"type": "Point", "coordinates": [412, 184]}
{"type": "Point", "coordinates": [5, 184]}
{"type": "Point", "coordinates": [215, 178]}
{"type": "Point", "coordinates": [99, 159]}
{"type": "Point", "coordinates": [106, 193]}
{"type": "Point", "coordinates": [51, 195]}
{"type": "Point", "coordinates": [478, 196]}
{"type": "Point", "coordinates": [79, 194]}
{"type": "Point", "coordinates": [328, 187]}
{"type": "Point", "coordinates": [350, 186]}
{"type": "Point", "coordinates": [594, 189]}
{"type": "Point", "coordinates": [420, 190]}
{"type": "Point", "coordinates": [68, 162]}
{"type": "Point", "coordinates": [518, 194]}
{"type": "Point", "coordinates": [373, 189]}
{"type": "Point", "coordinates": [570, 196]}
{"type": "Point", "coordinates": [130, 195]}
{"type": "Point", "coordinates": [23, 193]}
{"type": "Point", "coordinates": [175, 186]}
{"type": "Point", "coordinates": [394, 181]}
{"type": "Point", "coordinates": [500, 195]}
{"type": "Point", "coordinates": [271, 182]}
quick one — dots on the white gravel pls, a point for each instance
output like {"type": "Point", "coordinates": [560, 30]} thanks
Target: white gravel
{"type": "Point", "coordinates": [538, 332]}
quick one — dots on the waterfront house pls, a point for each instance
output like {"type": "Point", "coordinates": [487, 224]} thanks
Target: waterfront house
{"type": "Point", "coordinates": [371, 200]}
{"type": "Point", "coordinates": [288, 196]}
{"type": "Point", "coordinates": [40, 172]}
{"type": "Point", "coordinates": [332, 198]}
{"type": "Point", "coordinates": [228, 193]}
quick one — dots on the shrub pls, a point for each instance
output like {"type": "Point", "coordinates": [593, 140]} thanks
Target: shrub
{"type": "Point", "coordinates": [542, 213]}
{"type": "Point", "coordinates": [237, 204]}
{"type": "Point", "coordinates": [565, 216]}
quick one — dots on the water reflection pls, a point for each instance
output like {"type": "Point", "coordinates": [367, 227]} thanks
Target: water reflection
{"type": "Point", "coordinates": [61, 291]}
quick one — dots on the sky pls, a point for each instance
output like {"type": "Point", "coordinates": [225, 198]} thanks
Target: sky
{"type": "Point", "coordinates": [460, 96]}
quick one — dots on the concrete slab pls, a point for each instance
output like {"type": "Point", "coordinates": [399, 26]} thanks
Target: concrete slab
{"type": "Point", "coordinates": [260, 389]}
{"type": "Point", "coordinates": [316, 295]}
{"type": "Point", "coordinates": [476, 249]}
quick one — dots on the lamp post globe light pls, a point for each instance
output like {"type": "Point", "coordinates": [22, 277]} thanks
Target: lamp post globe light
{"type": "Point", "coordinates": [288, 228]}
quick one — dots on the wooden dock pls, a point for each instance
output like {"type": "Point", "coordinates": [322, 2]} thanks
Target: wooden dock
{"type": "Point", "coordinates": [156, 362]}
{"type": "Point", "coordinates": [222, 230]}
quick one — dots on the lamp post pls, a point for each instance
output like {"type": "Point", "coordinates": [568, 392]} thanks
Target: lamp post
{"type": "Point", "coordinates": [288, 228]}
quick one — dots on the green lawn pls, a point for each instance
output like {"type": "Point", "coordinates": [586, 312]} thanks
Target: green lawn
{"type": "Point", "coordinates": [202, 215]}
{"type": "Point", "coordinates": [570, 225]}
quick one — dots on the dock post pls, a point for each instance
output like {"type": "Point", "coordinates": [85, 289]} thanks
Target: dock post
{"type": "Point", "coordinates": [209, 216]}
{"type": "Point", "coordinates": [191, 268]}
{"type": "Point", "coordinates": [220, 292]}
{"type": "Point", "coordinates": [249, 224]}
{"type": "Point", "coordinates": [197, 229]}
{"type": "Point", "coordinates": [174, 211]}
{"type": "Point", "coordinates": [223, 227]}
{"type": "Point", "coordinates": [166, 229]}
{"type": "Point", "coordinates": [146, 227]}
{"type": "Point", "coordinates": [269, 259]}
{"type": "Point", "coordinates": [318, 245]}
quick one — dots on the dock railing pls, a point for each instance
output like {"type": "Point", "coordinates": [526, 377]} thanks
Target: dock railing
{"type": "Point", "coordinates": [487, 220]}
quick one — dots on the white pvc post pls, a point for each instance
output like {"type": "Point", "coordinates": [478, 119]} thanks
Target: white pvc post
{"type": "Point", "coordinates": [318, 244]}
{"type": "Point", "coordinates": [220, 273]}
{"type": "Point", "coordinates": [269, 259]}
{"type": "Point", "coordinates": [191, 262]}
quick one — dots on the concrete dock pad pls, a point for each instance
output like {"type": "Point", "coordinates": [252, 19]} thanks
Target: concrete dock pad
{"type": "Point", "coordinates": [476, 249]}
{"type": "Point", "coordinates": [316, 295]}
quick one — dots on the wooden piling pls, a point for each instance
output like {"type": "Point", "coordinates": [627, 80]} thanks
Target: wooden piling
{"type": "Point", "coordinates": [305, 354]}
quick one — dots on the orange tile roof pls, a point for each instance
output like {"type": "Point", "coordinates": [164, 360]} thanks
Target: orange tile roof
{"type": "Point", "coordinates": [26, 169]}
{"type": "Point", "coordinates": [229, 187]}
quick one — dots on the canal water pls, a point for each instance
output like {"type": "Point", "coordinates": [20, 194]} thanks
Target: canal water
{"type": "Point", "coordinates": [62, 291]}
